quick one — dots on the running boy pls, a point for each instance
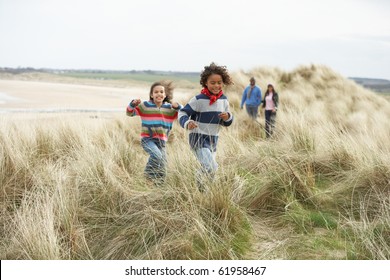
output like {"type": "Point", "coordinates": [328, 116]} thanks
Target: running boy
{"type": "Point", "coordinates": [204, 114]}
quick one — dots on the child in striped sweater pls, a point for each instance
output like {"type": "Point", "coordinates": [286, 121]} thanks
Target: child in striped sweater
{"type": "Point", "coordinates": [157, 116]}
{"type": "Point", "coordinates": [204, 115]}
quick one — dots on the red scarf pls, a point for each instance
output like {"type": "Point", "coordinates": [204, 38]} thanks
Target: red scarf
{"type": "Point", "coordinates": [212, 97]}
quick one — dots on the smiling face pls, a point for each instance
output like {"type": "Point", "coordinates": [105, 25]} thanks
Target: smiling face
{"type": "Point", "coordinates": [214, 83]}
{"type": "Point", "coordinates": [158, 95]}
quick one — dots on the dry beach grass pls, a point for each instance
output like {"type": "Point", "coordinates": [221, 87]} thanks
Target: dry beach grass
{"type": "Point", "coordinates": [72, 187]}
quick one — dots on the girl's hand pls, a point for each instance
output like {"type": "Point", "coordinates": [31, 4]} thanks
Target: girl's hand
{"type": "Point", "coordinates": [191, 125]}
{"type": "Point", "coordinates": [224, 116]}
{"type": "Point", "coordinates": [135, 102]}
{"type": "Point", "coordinates": [175, 105]}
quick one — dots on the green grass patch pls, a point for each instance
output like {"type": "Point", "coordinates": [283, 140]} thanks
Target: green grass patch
{"type": "Point", "coordinates": [137, 76]}
{"type": "Point", "coordinates": [307, 220]}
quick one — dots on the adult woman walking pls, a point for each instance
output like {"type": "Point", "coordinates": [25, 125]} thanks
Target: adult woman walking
{"type": "Point", "coordinates": [270, 103]}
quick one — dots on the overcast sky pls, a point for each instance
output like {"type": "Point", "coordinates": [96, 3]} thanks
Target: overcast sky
{"type": "Point", "coordinates": [350, 36]}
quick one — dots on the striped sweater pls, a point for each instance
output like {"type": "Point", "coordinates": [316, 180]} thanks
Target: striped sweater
{"type": "Point", "coordinates": [156, 122]}
{"type": "Point", "coordinates": [206, 116]}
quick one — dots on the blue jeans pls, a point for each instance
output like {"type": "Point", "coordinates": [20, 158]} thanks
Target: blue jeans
{"type": "Point", "coordinates": [269, 122]}
{"type": "Point", "coordinates": [252, 111]}
{"type": "Point", "coordinates": [208, 166]}
{"type": "Point", "coordinates": [156, 165]}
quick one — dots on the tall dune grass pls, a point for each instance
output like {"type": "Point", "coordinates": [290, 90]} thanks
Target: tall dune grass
{"type": "Point", "coordinates": [319, 189]}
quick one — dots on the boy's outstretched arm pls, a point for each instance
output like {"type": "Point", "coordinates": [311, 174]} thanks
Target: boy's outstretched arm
{"type": "Point", "coordinates": [226, 117]}
{"type": "Point", "coordinates": [186, 112]}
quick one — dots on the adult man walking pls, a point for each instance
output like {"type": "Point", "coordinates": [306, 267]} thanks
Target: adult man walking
{"type": "Point", "coordinates": [251, 97]}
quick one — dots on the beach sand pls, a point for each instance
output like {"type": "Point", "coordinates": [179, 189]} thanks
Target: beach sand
{"type": "Point", "coordinates": [38, 96]}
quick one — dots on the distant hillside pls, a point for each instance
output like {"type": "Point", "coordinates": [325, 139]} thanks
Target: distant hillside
{"type": "Point", "coordinates": [378, 85]}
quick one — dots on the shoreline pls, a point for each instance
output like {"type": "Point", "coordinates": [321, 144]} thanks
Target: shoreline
{"type": "Point", "coordinates": [18, 96]}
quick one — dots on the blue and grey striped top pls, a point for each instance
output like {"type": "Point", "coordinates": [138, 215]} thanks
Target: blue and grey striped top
{"type": "Point", "coordinates": [206, 116]}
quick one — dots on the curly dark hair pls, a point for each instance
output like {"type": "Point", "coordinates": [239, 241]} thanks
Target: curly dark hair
{"type": "Point", "coordinates": [168, 87]}
{"type": "Point", "coordinates": [215, 69]}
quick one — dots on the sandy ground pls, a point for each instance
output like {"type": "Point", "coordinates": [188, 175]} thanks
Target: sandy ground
{"type": "Point", "coordinates": [34, 96]}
